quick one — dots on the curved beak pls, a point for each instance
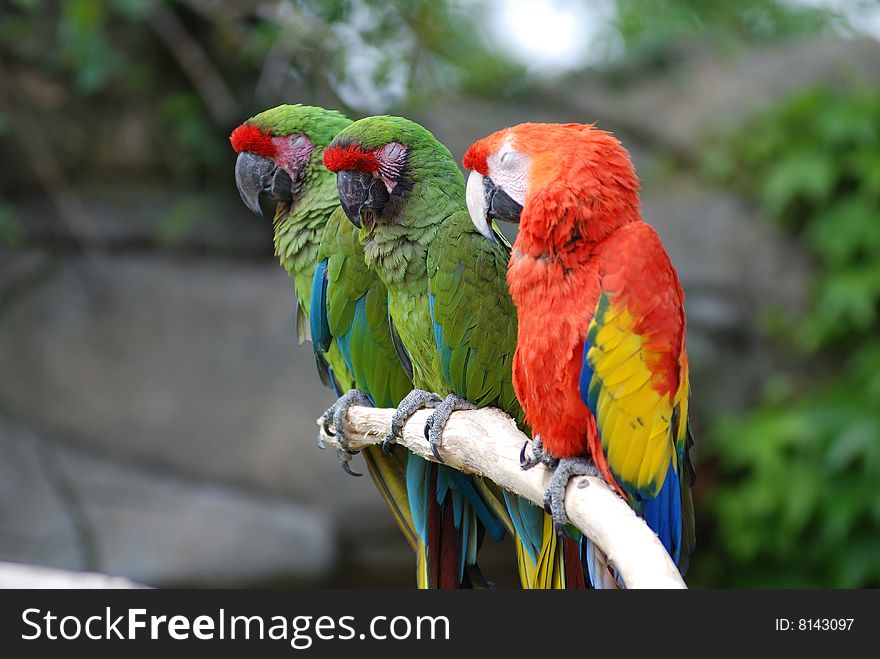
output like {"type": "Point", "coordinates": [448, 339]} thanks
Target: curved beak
{"type": "Point", "coordinates": [487, 202]}
{"type": "Point", "coordinates": [362, 196]}
{"type": "Point", "coordinates": [501, 206]}
{"type": "Point", "coordinates": [257, 177]}
{"type": "Point", "coordinates": [475, 195]}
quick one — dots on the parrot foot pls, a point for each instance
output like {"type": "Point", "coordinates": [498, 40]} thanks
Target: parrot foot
{"type": "Point", "coordinates": [437, 421]}
{"type": "Point", "coordinates": [539, 455]}
{"type": "Point", "coordinates": [414, 401]}
{"type": "Point", "coordinates": [335, 417]}
{"type": "Point", "coordinates": [554, 497]}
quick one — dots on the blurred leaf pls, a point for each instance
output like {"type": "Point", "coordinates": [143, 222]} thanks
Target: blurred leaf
{"type": "Point", "coordinates": [11, 230]}
{"type": "Point", "coordinates": [806, 174]}
{"type": "Point", "coordinates": [845, 231]}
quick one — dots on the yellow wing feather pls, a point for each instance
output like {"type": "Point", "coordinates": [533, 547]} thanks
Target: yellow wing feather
{"type": "Point", "coordinates": [634, 420]}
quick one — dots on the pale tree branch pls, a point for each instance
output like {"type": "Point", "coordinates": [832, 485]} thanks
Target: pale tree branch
{"type": "Point", "coordinates": [487, 443]}
{"type": "Point", "coordinates": [22, 575]}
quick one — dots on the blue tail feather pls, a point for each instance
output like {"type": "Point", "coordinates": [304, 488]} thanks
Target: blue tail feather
{"type": "Point", "coordinates": [663, 513]}
{"type": "Point", "coordinates": [493, 525]}
{"type": "Point", "coordinates": [528, 521]}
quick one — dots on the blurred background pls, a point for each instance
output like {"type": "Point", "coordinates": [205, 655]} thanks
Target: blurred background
{"type": "Point", "coordinates": [156, 414]}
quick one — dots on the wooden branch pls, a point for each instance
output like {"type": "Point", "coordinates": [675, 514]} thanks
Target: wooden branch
{"type": "Point", "coordinates": [487, 443]}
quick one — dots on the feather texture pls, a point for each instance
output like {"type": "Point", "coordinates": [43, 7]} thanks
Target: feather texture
{"type": "Point", "coordinates": [601, 366]}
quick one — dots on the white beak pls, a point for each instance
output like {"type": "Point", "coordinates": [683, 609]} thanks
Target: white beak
{"type": "Point", "coordinates": [477, 207]}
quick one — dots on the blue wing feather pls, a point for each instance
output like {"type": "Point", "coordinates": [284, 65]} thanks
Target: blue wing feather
{"type": "Point", "coordinates": [318, 324]}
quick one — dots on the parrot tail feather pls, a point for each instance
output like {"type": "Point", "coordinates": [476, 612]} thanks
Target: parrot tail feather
{"type": "Point", "coordinates": [574, 567]}
{"type": "Point", "coordinates": [603, 576]}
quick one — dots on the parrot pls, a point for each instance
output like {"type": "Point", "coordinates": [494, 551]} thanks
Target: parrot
{"type": "Point", "coordinates": [452, 316]}
{"type": "Point", "coordinates": [343, 306]}
{"type": "Point", "coordinates": [280, 160]}
{"type": "Point", "coordinates": [601, 365]}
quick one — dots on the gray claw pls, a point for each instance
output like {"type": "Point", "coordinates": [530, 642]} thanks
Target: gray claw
{"type": "Point", "coordinates": [437, 422]}
{"type": "Point", "coordinates": [326, 418]}
{"type": "Point", "coordinates": [335, 416]}
{"type": "Point", "coordinates": [320, 442]}
{"type": "Point", "coordinates": [539, 455]}
{"type": "Point", "coordinates": [414, 401]}
{"type": "Point", "coordinates": [554, 497]}
{"type": "Point", "coordinates": [344, 460]}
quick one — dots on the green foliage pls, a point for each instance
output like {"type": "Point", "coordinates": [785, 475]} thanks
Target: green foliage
{"type": "Point", "coordinates": [797, 501]}
{"type": "Point", "coordinates": [85, 60]}
{"type": "Point", "coordinates": [11, 230]}
{"type": "Point", "coordinates": [653, 32]}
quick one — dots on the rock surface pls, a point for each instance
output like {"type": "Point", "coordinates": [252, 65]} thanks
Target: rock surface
{"type": "Point", "coordinates": [73, 509]}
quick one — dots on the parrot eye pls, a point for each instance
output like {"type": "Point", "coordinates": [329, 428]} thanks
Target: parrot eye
{"type": "Point", "coordinates": [507, 157]}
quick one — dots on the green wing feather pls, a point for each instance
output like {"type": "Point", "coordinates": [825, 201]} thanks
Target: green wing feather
{"type": "Point", "coordinates": [474, 316]}
{"type": "Point", "coordinates": [475, 328]}
{"type": "Point", "coordinates": [357, 315]}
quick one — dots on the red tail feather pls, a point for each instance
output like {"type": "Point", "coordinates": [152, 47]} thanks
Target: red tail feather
{"type": "Point", "coordinates": [443, 540]}
{"type": "Point", "coordinates": [449, 550]}
{"type": "Point", "coordinates": [575, 579]}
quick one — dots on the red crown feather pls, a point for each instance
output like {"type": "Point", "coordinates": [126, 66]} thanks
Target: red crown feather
{"type": "Point", "coordinates": [475, 158]}
{"type": "Point", "coordinates": [251, 138]}
{"type": "Point", "coordinates": [340, 158]}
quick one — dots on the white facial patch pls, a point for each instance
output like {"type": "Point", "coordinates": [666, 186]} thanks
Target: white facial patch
{"type": "Point", "coordinates": [475, 195]}
{"type": "Point", "coordinates": [509, 170]}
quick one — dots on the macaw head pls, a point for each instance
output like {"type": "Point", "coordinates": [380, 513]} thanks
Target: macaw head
{"type": "Point", "coordinates": [279, 152]}
{"type": "Point", "coordinates": [392, 171]}
{"type": "Point", "coordinates": [563, 183]}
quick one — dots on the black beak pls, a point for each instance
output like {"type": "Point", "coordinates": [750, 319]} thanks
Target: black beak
{"type": "Point", "coordinates": [362, 196]}
{"type": "Point", "coordinates": [258, 177]}
{"type": "Point", "coordinates": [499, 205]}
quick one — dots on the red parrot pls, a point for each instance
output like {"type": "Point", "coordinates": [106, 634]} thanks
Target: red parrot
{"type": "Point", "coordinates": [601, 367]}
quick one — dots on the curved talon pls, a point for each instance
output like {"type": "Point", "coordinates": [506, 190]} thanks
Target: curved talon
{"type": "Point", "coordinates": [436, 452]}
{"type": "Point", "coordinates": [522, 455]}
{"type": "Point", "coordinates": [327, 430]}
{"type": "Point", "coordinates": [387, 443]}
{"type": "Point", "coordinates": [344, 459]}
{"type": "Point", "coordinates": [428, 429]}
{"type": "Point", "coordinates": [320, 442]}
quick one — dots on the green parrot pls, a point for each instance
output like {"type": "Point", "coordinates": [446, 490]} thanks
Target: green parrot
{"type": "Point", "coordinates": [452, 316]}
{"type": "Point", "coordinates": [343, 306]}
{"type": "Point", "coordinates": [279, 160]}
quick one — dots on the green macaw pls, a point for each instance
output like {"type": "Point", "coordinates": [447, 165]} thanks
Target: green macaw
{"type": "Point", "coordinates": [451, 312]}
{"type": "Point", "coordinates": [344, 307]}
{"type": "Point", "coordinates": [279, 160]}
